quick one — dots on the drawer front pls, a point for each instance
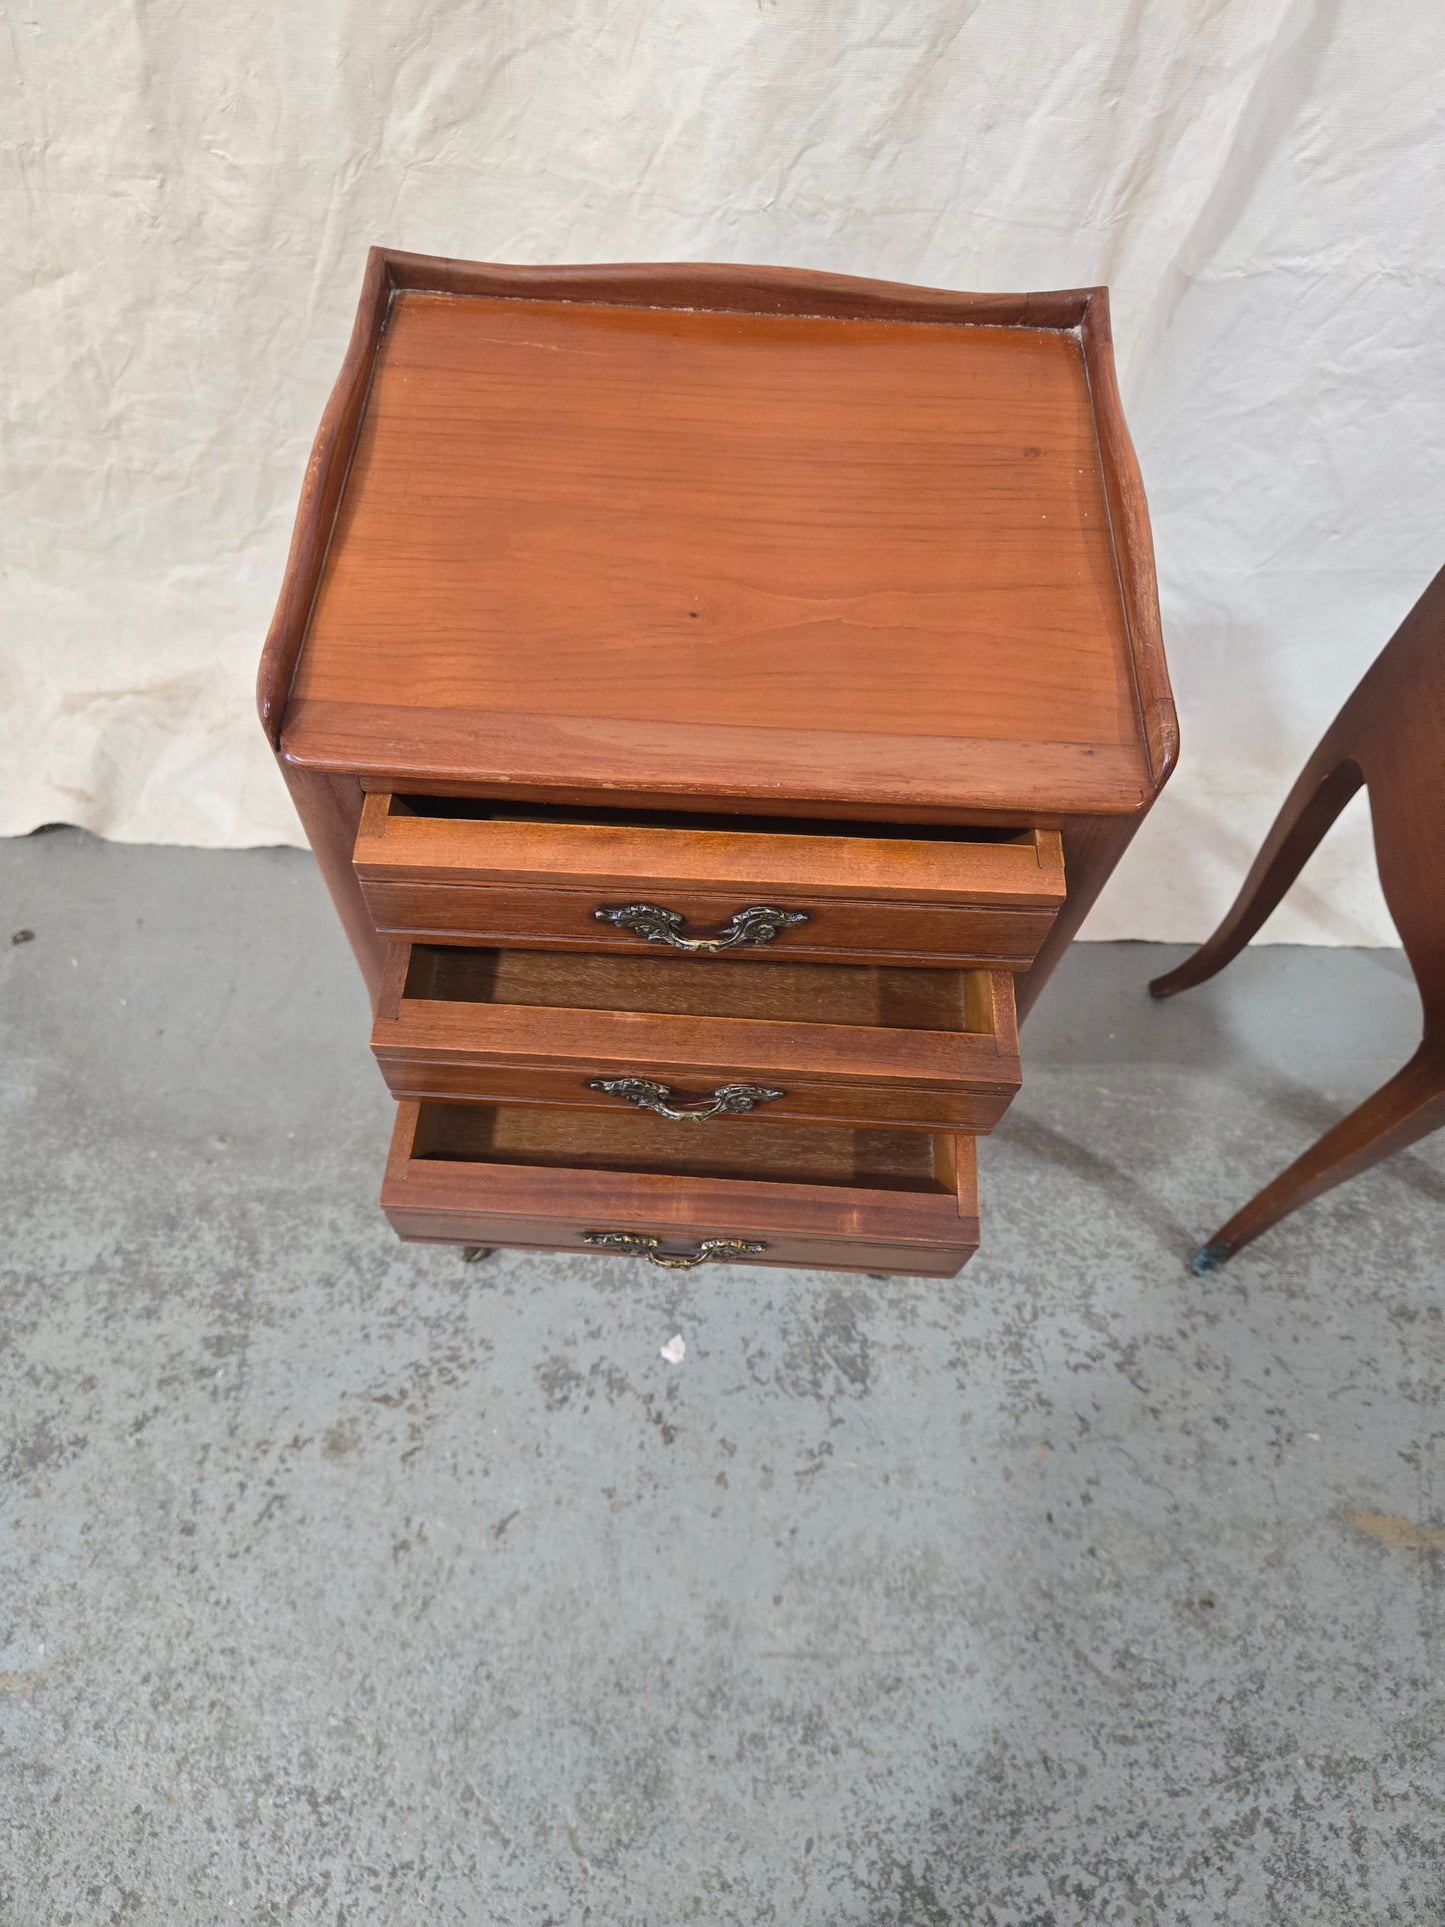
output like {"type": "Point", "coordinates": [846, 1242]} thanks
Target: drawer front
{"type": "Point", "coordinates": [679, 1037]}
{"type": "Point", "coordinates": [805, 891]}
{"type": "Point", "coordinates": [794, 1196]}
{"type": "Point", "coordinates": [836, 931]}
{"type": "Point", "coordinates": [812, 1253]}
{"type": "Point", "coordinates": [475, 1080]}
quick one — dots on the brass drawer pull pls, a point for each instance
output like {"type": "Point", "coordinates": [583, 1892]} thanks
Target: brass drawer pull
{"type": "Point", "coordinates": [727, 1099]}
{"type": "Point", "coordinates": [759, 923]}
{"type": "Point", "coordinates": [641, 1245]}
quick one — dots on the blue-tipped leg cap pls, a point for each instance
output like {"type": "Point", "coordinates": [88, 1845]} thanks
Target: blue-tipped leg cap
{"type": "Point", "coordinates": [1211, 1258]}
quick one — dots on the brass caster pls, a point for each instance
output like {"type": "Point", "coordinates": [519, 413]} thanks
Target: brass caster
{"type": "Point", "coordinates": [474, 1254]}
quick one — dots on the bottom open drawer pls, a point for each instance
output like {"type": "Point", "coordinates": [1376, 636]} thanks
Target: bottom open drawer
{"type": "Point", "coordinates": [758, 1192]}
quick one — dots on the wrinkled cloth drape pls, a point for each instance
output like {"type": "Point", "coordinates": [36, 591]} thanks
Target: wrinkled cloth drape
{"type": "Point", "coordinates": [189, 193]}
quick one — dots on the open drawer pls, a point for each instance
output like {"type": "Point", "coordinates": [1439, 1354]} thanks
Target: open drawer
{"type": "Point", "coordinates": [762, 1193]}
{"type": "Point", "coordinates": [745, 887]}
{"type": "Point", "coordinates": [698, 1045]}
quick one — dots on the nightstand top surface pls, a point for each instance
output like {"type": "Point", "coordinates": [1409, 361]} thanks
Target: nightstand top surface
{"type": "Point", "coordinates": [607, 547]}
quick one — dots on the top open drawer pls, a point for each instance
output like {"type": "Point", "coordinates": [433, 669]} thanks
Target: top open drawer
{"type": "Point", "coordinates": [613, 880]}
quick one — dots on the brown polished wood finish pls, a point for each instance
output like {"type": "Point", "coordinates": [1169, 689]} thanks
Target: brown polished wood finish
{"type": "Point", "coordinates": [801, 623]}
{"type": "Point", "coordinates": [942, 895]}
{"type": "Point", "coordinates": [935, 1049]}
{"type": "Point", "coordinates": [838, 1199]}
{"type": "Point", "coordinates": [837, 931]}
{"type": "Point", "coordinates": [399, 841]}
{"type": "Point", "coordinates": [1390, 738]}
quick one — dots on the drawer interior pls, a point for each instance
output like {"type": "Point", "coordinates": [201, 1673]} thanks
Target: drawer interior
{"type": "Point", "coordinates": [889, 998]}
{"type": "Point", "coordinates": [481, 809]}
{"type": "Point", "coordinates": [744, 1148]}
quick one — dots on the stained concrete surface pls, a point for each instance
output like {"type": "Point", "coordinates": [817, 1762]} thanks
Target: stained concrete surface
{"type": "Point", "coordinates": [346, 1583]}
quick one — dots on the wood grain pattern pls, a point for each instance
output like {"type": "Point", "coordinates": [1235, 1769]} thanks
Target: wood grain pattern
{"type": "Point", "coordinates": [699, 519]}
{"type": "Point", "coordinates": [1093, 847]}
{"type": "Point", "coordinates": [949, 777]}
{"type": "Point", "coordinates": [836, 931]}
{"type": "Point", "coordinates": [654, 516]}
{"type": "Point", "coordinates": [715, 539]}
{"type": "Point", "coordinates": [757, 1148]}
{"type": "Point", "coordinates": [991, 900]}
{"type": "Point", "coordinates": [1390, 737]}
{"type": "Point", "coordinates": [395, 845]}
{"type": "Point", "coordinates": [705, 765]}
{"type": "Point", "coordinates": [928, 1049]}
{"type": "Point", "coordinates": [670, 985]}
{"type": "Point", "coordinates": [1133, 544]}
{"type": "Point", "coordinates": [326, 475]}
{"type": "Point", "coordinates": [454, 1223]}
{"type": "Point", "coordinates": [840, 1224]}
{"type": "Point", "coordinates": [728, 288]}
{"type": "Point", "coordinates": [474, 1077]}
{"type": "Point", "coordinates": [329, 807]}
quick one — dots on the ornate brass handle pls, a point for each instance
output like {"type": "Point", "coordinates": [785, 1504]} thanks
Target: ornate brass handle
{"type": "Point", "coordinates": [727, 1099]}
{"type": "Point", "coordinates": [642, 1245]}
{"type": "Point", "coordinates": [758, 923]}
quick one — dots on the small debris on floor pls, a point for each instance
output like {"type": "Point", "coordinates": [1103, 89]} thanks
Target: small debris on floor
{"type": "Point", "coordinates": [23, 936]}
{"type": "Point", "coordinates": [675, 1350]}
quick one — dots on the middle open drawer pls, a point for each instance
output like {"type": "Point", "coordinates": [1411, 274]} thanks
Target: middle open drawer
{"type": "Point", "coordinates": [865, 1044]}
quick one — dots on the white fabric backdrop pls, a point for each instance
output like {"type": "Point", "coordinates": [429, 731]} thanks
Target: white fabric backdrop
{"type": "Point", "coordinates": [190, 190]}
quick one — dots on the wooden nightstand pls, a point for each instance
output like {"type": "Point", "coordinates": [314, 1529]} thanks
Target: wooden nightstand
{"type": "Point", "coordinates": [714, 696]}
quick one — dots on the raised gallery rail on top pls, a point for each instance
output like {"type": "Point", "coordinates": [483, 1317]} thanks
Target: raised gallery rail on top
{"type": "Point", "coordinates": [719, 288]}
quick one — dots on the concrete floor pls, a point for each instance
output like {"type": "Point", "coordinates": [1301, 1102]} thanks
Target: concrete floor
{"type": "Point", "coordinates": [346, 1583]}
